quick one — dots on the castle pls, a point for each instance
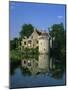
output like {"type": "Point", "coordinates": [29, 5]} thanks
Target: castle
{"type": "Point", "coordinates": [37, 39]}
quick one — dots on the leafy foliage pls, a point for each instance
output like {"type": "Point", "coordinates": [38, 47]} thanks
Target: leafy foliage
{"type": "Point", "coordinates": [26, 30]}
{"type": "Point", "coordinates": [59, 44]}
{"type": "Point", "coordinates": [13, 43]}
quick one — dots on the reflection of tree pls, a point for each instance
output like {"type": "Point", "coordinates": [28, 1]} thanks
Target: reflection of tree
{"type": "Point", "coordinates": [30, 56]}
{"type": "Point", "coordinates": [25, 71]}
{"type": "Point", "coordinates": [13, 66]}
{"type": "Point", "coordinates": [57, 73]}
{"type": "Point", "coordinates": [58, 70]}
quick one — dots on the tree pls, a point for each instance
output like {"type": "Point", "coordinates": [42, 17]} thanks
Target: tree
{"type": "Point", "coordinates": [57, 31]}
{"type": "Point", "coordinates": [26, 30]}
{"type": "Point", "coordinates": [14, 44]}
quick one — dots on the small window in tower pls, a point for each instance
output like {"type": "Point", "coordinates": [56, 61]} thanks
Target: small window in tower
{"type": "Point", "coordinates": [33, 45]}
{"type": "Point", "coordinates": [37, 41]}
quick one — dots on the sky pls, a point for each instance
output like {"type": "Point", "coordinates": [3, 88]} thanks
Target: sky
{"type": "Point", "coordinates": [41, 16]}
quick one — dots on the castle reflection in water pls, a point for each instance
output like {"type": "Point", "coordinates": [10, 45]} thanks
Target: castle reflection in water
{"type": "Point", "coordinates": [36, 66]}
{"type": "Point", "coordinates": [38, 70]}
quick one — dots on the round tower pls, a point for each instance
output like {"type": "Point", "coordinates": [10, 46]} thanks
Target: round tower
{"type": "Point", "coordinates": [43, 43]}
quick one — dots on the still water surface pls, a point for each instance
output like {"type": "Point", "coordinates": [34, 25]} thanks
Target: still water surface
{"type": "Point", "coordinates": [34, 72]}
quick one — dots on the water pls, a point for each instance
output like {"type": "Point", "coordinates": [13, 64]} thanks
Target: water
{"type": "Point", "coordinates": [38, 72]}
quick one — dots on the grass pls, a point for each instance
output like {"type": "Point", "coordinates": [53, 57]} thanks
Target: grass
{"type": "Point", "coordinates": [16, 55]}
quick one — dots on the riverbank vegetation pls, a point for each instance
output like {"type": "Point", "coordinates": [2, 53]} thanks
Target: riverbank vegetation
{"type": "Point", "coordinates": [16, 54]}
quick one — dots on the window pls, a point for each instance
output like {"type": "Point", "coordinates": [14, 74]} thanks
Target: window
{"type": "Point", "coordinates": [44, 49]}
{"type": "Point", "coordinates": [24, 62]}
{"type": "Point", "coordinates": [37, 41]}
{"type": "Point", "coordinates": [33, 45]}
{"type": "Point", "coordinates": [29, 41]}
{"type": "Point", "coordinates": [29, 64]}
{"type": "Point", "coordinates": [24, 43]}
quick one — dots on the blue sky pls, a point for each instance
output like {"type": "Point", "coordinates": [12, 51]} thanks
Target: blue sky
{"type": "Point", "coordinates": [41, 16]}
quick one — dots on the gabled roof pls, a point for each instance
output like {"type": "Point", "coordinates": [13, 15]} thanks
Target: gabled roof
{"type": "Point", "coordinates": [42, 33]}
{"type": "Point", "coordinates": [39, 32]}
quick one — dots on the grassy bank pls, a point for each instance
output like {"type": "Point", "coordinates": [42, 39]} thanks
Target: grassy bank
{"type": "Point", "coordinates": [16, 55]}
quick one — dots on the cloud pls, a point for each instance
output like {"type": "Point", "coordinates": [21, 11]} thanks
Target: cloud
{"type": "Point", "coordinates": [60, 17]}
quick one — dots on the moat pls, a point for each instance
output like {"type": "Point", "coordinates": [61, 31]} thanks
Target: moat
{"type": "Point", "coordinates": [36, 72]}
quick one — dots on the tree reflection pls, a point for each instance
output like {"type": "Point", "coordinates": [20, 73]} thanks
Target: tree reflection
{"type": "Point", "coordinates": [40, 65]}
{"type": "Point", "coordinates": [25, 71]}
{"type": "Point", "coordinates": [57, 69]}
{"type": "Point", "coordinates": [57, 73]}
{"type": "Point", "coordinates": [13, 66]}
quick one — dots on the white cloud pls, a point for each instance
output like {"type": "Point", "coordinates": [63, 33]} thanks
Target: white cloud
{"type": "Point", "coordinates": [60, 17]}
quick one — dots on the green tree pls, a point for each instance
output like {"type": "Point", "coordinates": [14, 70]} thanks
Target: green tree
{"type": "Point", "coordinates": [26, 30]}
{"type": "Point", "coordinates": [59, 44]}
{"type": "Point", "coordinates": [14, 44]}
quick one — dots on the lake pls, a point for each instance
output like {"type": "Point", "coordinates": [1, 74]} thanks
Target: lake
{"type": "Point", "coordinates": [37, 71]}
